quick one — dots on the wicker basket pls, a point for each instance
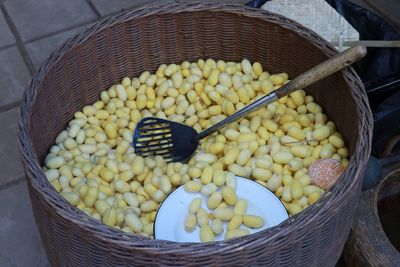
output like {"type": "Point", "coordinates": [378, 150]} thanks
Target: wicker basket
{"type": "Point", "coordinates": [142, 39]}
{"type": "Point", "coordinates": [368, 245]}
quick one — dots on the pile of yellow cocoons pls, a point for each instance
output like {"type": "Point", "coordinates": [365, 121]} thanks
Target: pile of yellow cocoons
{"type": "Point", "coordinates": [94, 166]}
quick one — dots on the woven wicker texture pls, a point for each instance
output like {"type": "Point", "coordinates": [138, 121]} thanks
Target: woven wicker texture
{"type": "Point", "coordinates": [368, 245]}
{"type": "Point", "coordinates": [138, 40]}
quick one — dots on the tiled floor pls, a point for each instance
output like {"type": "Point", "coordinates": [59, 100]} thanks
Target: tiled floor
{"type": "Point", "coordinates": [14, 76]}
{"type": "Point", "coordinates": [20, 243]}
{"type": "Point", "coordinates": [34, 19]}
{"type": "Point", "coordinates": [29, 31]}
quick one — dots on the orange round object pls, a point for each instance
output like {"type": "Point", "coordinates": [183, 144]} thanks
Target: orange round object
{"type": "Point", "coordinates": [325, 172]}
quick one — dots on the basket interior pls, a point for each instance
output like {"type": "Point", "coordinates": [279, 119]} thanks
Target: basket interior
{"type": "Point", "coordinates": [130, 47]}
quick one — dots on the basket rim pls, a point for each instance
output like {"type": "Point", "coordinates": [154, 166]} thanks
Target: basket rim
{"type": "Point", "coordinates": [297, 223]}
{"type": "Point", "coordinates": [368, 238]}
{"type": "Point", "coordinates": [376, 191]}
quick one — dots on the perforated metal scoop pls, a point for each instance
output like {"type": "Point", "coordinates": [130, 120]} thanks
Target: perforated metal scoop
{"type": "Point", "coordinates": [171, 140]}
{"type": "Point", "coordinates": [177, 142]}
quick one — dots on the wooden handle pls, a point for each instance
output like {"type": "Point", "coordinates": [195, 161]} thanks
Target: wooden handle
{"type": "Point", "coordinates": [326, 68]}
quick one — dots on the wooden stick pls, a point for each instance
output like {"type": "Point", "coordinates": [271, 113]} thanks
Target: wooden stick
{"type": "Point", "coordinates": [323, 70]}
{"type": "Point", "coordinates": [371, 43]}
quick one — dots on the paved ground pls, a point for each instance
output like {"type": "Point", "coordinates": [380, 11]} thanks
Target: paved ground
{"type": "Point", "coordinates": [29, 31]}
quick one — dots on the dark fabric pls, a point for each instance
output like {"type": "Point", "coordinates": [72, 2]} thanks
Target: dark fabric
{"type": "Point", "coordinates": [380, 69]}
{"type": "Point", "coordinates": [386, 122]}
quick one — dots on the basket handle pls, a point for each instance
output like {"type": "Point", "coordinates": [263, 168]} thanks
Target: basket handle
{"type": "Point", "coordinates": [326, 68]}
